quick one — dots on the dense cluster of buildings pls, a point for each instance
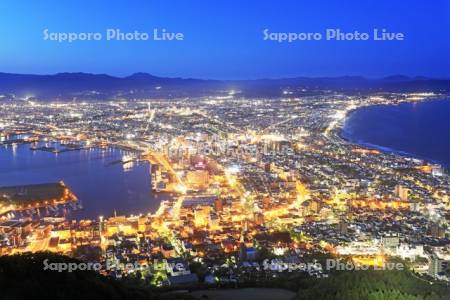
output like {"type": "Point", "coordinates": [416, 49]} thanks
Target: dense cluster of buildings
{"type": "Point", "coordinates": [250, 178]}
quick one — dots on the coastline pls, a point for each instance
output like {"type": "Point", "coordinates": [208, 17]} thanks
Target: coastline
{"type": "Point", "coordinates": [343, 135]}
{"type": "Point", "coordinates": [95, 166]}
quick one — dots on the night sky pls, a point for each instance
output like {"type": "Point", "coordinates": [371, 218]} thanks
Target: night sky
{"type": "Point", "coordinates": [224, 39]}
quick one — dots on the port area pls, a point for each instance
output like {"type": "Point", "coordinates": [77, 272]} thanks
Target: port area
{"type": "Point", "coordinates": [26, 197]}
{"type": "Point", "coordinates": [63, 147]}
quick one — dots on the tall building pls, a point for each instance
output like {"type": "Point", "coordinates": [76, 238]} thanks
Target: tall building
{"type": "Point", "coordinates": [343, 226]}
{"type": "Point", "coordinates": [218, 204]}
{"type": "Point", "coordinates": [401, 192]}
{"type": "Point", "coordinates": [436, 230]}
{"type": "Point", "coordinates": [198, 178]}
{"type": "Point", "coordinates": [437, 170]}
{"type": "Point", "coordinates": [155, 175]}
{"type": "Point", "coordinates": [437, 264]}
{"type": "Point", "coordinates": [390, 241]}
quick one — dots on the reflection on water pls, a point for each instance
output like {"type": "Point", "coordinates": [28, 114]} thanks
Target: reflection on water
{"type": "Point", "coordinates": [102, 179]}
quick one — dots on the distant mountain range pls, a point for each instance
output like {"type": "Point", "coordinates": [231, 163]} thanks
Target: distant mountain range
{"type": "Point", "coordinates": [85, 86]}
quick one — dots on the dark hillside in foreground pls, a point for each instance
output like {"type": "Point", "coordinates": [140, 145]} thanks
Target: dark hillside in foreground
{"type": "Point", "coordinates": [24, 277]}
{"type": "Point", "coordinates": [370, 284]}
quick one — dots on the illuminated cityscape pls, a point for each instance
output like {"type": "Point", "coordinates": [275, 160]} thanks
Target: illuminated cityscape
{"type": "Point", "coordinates": [244, 176]}
{"type": "Point", "coordinates": [215, 150]}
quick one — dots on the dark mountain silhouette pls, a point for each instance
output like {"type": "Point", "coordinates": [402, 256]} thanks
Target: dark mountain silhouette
{"type": "Point", "coordinates": [85, 86]}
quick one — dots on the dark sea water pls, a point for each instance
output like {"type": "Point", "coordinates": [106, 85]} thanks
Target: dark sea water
{"type": "Point", "coordinates": [420, 129]}
{"type": "Point", "coordinates": [100, 185]}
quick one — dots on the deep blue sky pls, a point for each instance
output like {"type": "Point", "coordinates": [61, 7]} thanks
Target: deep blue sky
{"type": "Point", "coordinates": [223, 39]}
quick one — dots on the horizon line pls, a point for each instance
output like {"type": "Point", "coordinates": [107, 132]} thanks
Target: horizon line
{"type": "Point", "coordinates": [246, 79]}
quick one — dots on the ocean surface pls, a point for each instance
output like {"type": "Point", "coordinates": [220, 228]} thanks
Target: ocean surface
{"type": "Point", "coordinates": [420, 129]}
{"type": "Point", "coordinates": [97, 179]}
